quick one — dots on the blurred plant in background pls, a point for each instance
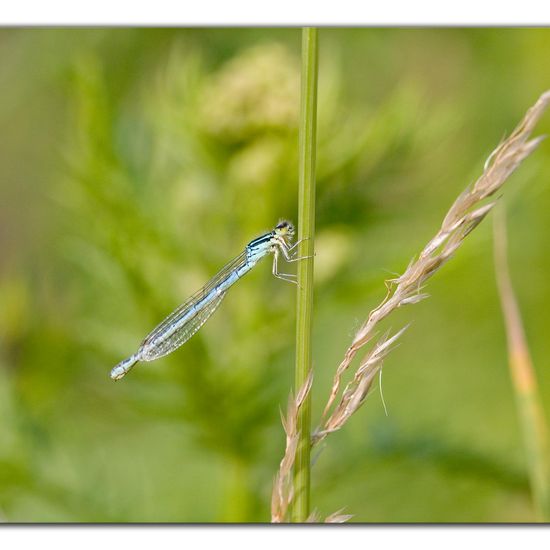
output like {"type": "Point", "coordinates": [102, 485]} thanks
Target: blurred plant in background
{"type": "Point", "coordinates": [140, 161]}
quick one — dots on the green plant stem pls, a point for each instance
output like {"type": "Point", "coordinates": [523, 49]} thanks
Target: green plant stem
{"type": "Point", "coordinates": [237, 498]}
{"type": "Point", "coordinates": [306, 230]}
{"type": "Point", "coordinates": [524, 381]}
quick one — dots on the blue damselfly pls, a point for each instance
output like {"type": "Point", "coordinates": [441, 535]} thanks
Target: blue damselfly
{"type": "Point", "coordinates": [185, 321]}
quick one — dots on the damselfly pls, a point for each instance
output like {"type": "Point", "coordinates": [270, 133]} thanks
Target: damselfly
{"type": "Point", "coordinates": [185, 321]}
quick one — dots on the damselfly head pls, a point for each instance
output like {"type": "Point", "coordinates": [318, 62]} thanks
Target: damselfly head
{"type": "Point", "coordinates": [284, 229]}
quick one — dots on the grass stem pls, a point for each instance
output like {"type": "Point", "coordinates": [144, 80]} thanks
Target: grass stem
{"type": "Point", "coordinates": [306, 230]}
{"type": "Point", "coordinates": [524, 381]}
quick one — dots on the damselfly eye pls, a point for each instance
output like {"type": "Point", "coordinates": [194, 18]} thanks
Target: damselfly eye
{"type": "Point", "coordinates": [284, 227]}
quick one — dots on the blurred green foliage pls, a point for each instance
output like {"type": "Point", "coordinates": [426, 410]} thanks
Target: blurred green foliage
{"type": "Point", "coordinates": [136, 162]}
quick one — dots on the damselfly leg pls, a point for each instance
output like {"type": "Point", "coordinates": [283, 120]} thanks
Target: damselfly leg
{"type": "Point", "coordinates": [284, 276]}
{"type": "Point", "coordinates": [291, 256]}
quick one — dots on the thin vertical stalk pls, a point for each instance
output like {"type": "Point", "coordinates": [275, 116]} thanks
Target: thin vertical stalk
{"type": "Point", "coordinates": [237, 498]}
{"type": "Point", "coordinates": [524, 381]}
{"type": "Point", "coordinates": [306, 230]}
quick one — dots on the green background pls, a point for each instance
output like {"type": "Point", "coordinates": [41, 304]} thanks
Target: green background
{"type": "Point", "coordinates": [134, 163]}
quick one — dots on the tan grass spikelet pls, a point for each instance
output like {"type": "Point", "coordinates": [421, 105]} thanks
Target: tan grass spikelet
{"type": "Point", "coordinates": [463, 216]}
{"type": "Point", "coordinates": [283, 491]}
{"type": "Point", "coordinates": [335, 517]}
